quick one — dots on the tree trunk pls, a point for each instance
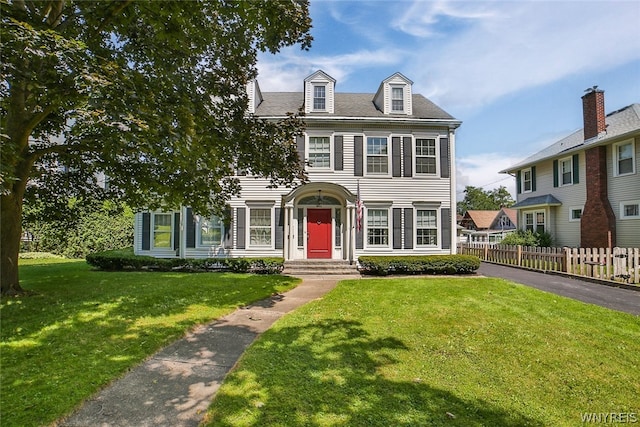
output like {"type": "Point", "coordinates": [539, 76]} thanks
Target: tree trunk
{"type": "Point", "coordinates": [10, 233]}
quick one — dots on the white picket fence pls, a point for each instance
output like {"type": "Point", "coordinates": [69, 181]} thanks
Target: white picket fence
{"type": "Point", "coordinates": [615, 264]}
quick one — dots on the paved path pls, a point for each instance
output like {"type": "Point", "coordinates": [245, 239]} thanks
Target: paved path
{"type": "Point", "coordinates": [626, 300]}
{"type": "Point", "coordinates": [176, 385]}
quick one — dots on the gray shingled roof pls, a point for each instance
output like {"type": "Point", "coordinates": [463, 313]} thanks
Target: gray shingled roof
{"type": "Point", "coordinates": [619, 123]}
{"type": "Point", "coordinates": [545, 200]}
{"type": "Point", "coordinates": [346, 105]}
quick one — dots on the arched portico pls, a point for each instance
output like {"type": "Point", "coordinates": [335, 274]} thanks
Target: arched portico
{"type": "Point", "coordinates": [319, 222]}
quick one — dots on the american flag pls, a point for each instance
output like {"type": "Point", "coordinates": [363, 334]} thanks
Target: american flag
{"type": "Point", "coordinates": [358, 209]}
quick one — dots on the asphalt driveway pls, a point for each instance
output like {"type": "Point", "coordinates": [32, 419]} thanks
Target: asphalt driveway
{"type": "Point", "coordinates": [626, 300]}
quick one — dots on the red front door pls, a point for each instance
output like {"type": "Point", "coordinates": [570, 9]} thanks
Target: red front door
{"type": "Point", "coordinates": [318, 233]}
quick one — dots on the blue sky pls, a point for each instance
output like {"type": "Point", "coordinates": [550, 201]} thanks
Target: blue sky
{"type": "Point", "coordinates": [512, 71]}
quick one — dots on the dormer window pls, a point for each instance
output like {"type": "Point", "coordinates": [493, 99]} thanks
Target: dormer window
{"type": "Point", "coordinates": [319, 98]}
{"type": "Point", "coordinates": [397, 99]}
{"type": "Point", "coordinates": [319, 93]}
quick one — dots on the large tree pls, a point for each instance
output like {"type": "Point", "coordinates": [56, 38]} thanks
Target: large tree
{"type": "Point", "coordinates": [151, 93]}
{"type": "Point", "coordinates": [475, 198]}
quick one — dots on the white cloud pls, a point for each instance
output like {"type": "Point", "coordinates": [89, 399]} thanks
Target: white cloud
{"type": "Point", "coordinates": [481, 171]}
{"type": "Point", "coordinates": [519, 45]}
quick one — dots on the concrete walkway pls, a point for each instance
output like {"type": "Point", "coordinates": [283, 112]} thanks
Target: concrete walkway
{"type": "Point", "coordinates": [175, 386]}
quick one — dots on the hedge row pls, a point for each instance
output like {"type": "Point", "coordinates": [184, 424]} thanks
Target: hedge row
{"type": "Point", "coordinates": [124, 259]}
{"type": "Point", "coordinates": [428, 264]}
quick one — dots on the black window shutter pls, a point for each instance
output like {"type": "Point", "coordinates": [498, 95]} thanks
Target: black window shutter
{"type": "Point", "coordinates": [279, 228]}
{"type": "Point", "coordinates": [176, 230]}
{"type": "Point", "coordinates": [555, 173]}
{"type": "Point", "coordinates": [358, 158]}
{"type": "Point", "coordinates": [576, 169]}
{"type": "Point", "coordinates": [190, 227]}
{"type": "Point", "coordinates": [396, 157]}
{"type": "Point", "coordinates": [241, 224]}
{"type": "Point", "coordinates": [338, 154]}
{"type": "Point", "coordinates": [408, 228]}
{"type": "Point", "coordinates": [445, 220]}
{"type": "Point", "coordinates": [146, 231]}
{"type": "Point", "coordinates": [397, 228]}
{"type": "Point", "coordinates": [407, 150]}
{"type": "Point", "coordinates": [518, 182]}
{"type": "Point", "coordinates": [533, 178]}
{"type": "Point", "coordinates": [228, 229]}
{"type": "Point", "coordinates": [444, 158]}
{"type": "Point", "coordinates": [300, 148]}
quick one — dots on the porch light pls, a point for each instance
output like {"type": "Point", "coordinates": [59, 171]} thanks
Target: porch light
{"type": "Point", "coordinates": [319, 201]}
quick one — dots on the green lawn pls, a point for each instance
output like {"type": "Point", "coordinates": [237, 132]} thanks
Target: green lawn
{"type": "Point", "coordinates": [82, 328]}
{"type": "Point", "coordinates": [436, 351]}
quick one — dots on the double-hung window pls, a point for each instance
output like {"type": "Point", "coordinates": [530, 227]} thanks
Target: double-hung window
{"type": "Point", "coordinates": [211, 231]}
{"type": "Point", "coordinates": [526, 181]}
{"type": "Point", "coordinates": [162, 228]}
{"type": "Point", "coordinates": [426, 227]}
{"type": "Point", "coordinates": [397, 99]}
{"type": "Point", "coordinates": [319, 152]}
{"type": "Point", "coordinates": [319, 98]}
{"type": "Point", "coordinates": [566, 171]}
{"type": "Point", "coordinates": [534, 221]}
{"type": "Point", "coordinates": [426, 156]}
{"type": "Point", "coordinates": [377, 155]}
{"type": "Point", "coordinates": [624, 158]}
{"type": "Point", "coordinates": [378, 227]}
{"type": "Point", "coordinates": [259, 227]}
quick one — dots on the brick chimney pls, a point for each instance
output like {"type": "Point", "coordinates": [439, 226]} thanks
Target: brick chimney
{"type": "Point", "coordinates": [598, 222]}
{"type": "Point", "coordinates": [593, 113]}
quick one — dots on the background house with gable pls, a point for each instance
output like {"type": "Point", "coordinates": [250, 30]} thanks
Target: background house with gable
{"type": "Point", "coordinates": [381, 181]}
{"type": "Point", "coordinates": [488, 225]}
{"type": "Point", "coordinates": [585, 188]}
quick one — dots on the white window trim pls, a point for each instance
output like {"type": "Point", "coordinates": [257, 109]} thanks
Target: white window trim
{"type": "Point", "coordinates": [199, 234]}
{"type": "Point", "coordinates": [152, 234]}
{"type": "Point", "coordinates": [391, 99]}
{"type": "Point", "coordinates": [415, 155]}
{"type": "Point", "coordinates": [571, 210]}
{"type": "Point", "coordinates": [522, 172]}
{"type": "Point", "coordinates": [309, 167]}
{"type": "Point", "coordinates": [251, 207]}
{"type": "Point", "coordinates": [616, 162]}
{"type": "Point", "coordinates": [377, 206]}
{"type": "Point", "coordinates": [535, 224]}
{"type": "Point", "coordinates": [627, 203]}
{"type": "Point", "coordinates": [313, 97]}
{"type": "Point", "coordinates": [415, 227]}
{"type": "Point", "coordinates": [366, 157]}
{"type": "Point", "coordinates": [560, 177]}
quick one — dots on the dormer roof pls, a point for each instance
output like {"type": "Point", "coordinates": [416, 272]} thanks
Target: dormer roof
{"type": "Point", "coordinates": [394, 95]}
{"type": "Point", "coordinates": [319, 93]}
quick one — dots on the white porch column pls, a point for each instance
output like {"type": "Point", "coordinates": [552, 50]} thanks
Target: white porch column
{"type": "Point", "coordinates": [286, 231]}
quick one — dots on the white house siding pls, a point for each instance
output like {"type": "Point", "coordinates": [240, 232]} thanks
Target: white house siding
{"type": "Point", "coordinates": [401, 195]}
{"type": "Point", "coordinates": [624, 188]}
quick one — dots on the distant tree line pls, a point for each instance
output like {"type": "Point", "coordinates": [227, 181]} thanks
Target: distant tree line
{"type": "Point", "coordinates": [475, 198]}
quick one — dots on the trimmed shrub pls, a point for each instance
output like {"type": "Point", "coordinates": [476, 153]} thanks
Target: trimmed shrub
{"type": "Point", "coordinates": [428, 264]}
{"type": "Point", "coordinates": [124, 259]}
{"type": "Point", "coordinates": [528, 238]}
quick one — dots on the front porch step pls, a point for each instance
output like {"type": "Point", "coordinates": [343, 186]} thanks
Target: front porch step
{"type": "Point", "coordinates": [310, 267]}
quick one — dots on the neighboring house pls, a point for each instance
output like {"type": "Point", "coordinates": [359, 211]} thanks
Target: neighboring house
{"type": "Point", "coordinates": [488, 226]}
{"type": "Point", "coordinates": [394, 149]}
{"type": "Point", "coordinates": [585, 189]}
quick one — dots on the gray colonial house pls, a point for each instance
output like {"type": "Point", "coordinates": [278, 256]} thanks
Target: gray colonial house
{"type": "Point", "coordinates": [585, 188]}
{"type": "Point", "coordinates": [381, 182]}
